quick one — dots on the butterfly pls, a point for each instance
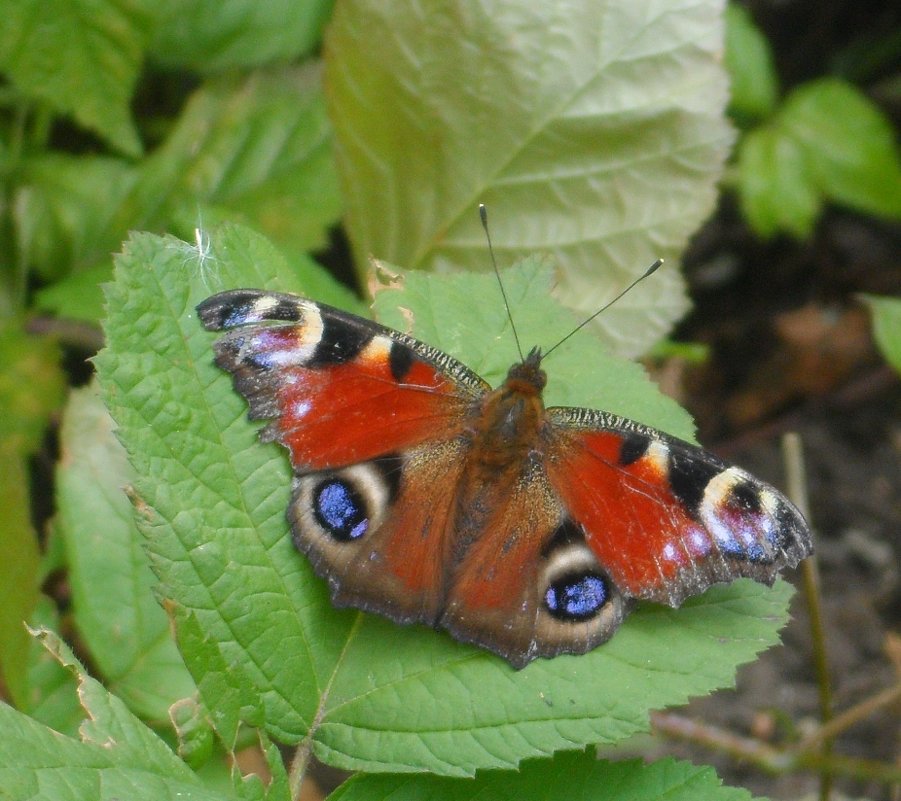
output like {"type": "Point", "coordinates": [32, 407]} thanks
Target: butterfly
{"type": "Point", "coordinates": [422, 494]}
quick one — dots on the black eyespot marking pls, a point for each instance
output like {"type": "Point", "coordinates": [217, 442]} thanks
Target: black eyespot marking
{"type": "Point", "coordinates": [746, 497]}
{"type": "Point", "coordinates": [340, 510]}
{"type": "Point", "coordinates": [285, 310]}
{"type": "Point", "coordinates": [339, 343]}
{"type": "Point", "coordinates": [633, 448]}
{"type": "Point", "coordinates": [789, 526]}
{"type": "Point", "coordinates": [576, 597]}
{"type": "Point", "coordinates": [400, 359]}
{"type": "Point", "coordinates": [689, 478]}
{"type": "Point", "coordinates": [240, 306]}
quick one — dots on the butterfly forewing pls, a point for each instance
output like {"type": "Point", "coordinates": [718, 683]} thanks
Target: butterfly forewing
{"type": "Point", "coordinates": [339, 389]}
{"type": "Point", "coordinates": [668, 519]}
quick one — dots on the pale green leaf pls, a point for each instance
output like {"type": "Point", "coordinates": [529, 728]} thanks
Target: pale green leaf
{"type": "Point", "coordinates": [887, 327]}
{"type": "Point", "coordinates": [575, 777]}
{"type": "Point", "coordinates": [118, 617]}
{"type": "Point", "coordinates": [211, 35]}
{"type": "Point", "coordinates": [593, 131]}
{"type": "Point", "coordinates": [363, 693]}
{"type": "Point", "coordinates": [81, 56]}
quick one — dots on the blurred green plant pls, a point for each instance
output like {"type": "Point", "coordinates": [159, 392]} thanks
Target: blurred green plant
{"type": "Point", "coordinates": [823, 142]}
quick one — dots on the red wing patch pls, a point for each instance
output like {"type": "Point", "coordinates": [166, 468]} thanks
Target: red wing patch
{"type": "Point", "coordinates": [667, 519]}
{"type": "Point", "coordinates": [339, 389]}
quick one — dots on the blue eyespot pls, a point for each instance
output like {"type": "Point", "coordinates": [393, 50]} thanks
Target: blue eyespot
{"type": "Point", "coordinates": [576, 597]}
{"type": "Point", "coordinates": [340, 510]}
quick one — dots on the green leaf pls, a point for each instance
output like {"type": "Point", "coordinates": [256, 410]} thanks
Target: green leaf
{"type": "Point", "coordinates": [810, 154]}
{"type": "Point", "coordinates": [77, 296]}
{"type": "Point", "coordinates": [52, 697]}
{"type": "Point", "coordinates": [116, 756]}
{"type": "Point", "coordinates": [593, 131]}
{"type": "Point", "coordinates": [887, 327]}
{"type": "Point", "coordinates": [776, 191]}
{"type": "Point", "coordinates": [31, 388]}
{"type": "Point", "coordinates": [849, 145]}
{"type": "Point", "coordinates": [18, 572]}
{"type": "Point", "coordinates": [65, 207]}
{"type": "Point", "coordinates": [441, 310]}
{"type": "Point", "coordinates": [118, 618]}
{"type": "Point", "coordinates": [361, 692]}
{"type": "Point", "coordinates": [195, 735]}
{"type": "Point", "coordinates": [575, 777]}
{"type": "Point", "coordinates": [226, 690]}
{"type": "Point", "coordinates": [211, 36]}
{"type": "Point", "coordinates": [749, 59]}
{"type": "Point", "coordinates": [80, 56]}
{"type": "Point", "coordinates": [251, 788]}
{"type": "Point", "coordinates": [254, 148]}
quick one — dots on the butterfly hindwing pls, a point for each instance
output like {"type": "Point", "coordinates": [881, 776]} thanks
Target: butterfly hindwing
{"type": "Point", "coordinates": [531, 586]}
{"type": "Point", "coordinates": [668, 519]}
{"type": "Point", "coordinates": [373, 530]}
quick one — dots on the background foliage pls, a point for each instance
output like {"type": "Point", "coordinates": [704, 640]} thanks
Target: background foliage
{"type": "Point", "coordinates": [596, 134]}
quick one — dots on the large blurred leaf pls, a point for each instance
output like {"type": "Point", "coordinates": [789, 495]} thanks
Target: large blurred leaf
{"type": "Point", "coordinates": [65, 208]}
{"type": "Point", "coordinates": [887, 327]}
{"type": "Point", "coordinates": [31, 388]}
{"type": "Point", "coordinates": [255, 148]}
{"type": "Point", "coordinates": [80, 56]}
{"type": "Point", "coordinates": [808, 154]}
{"type": "Point", "coordinates": [211, 35]}
{"type": "Point", "coordinates": [594, 131]}
{"type": "Point", "coordinates": [117, 615]}
{"type": "Point", "coordinates": [361, 691]}
{"type": "Point", "coordinates": [754, 84]}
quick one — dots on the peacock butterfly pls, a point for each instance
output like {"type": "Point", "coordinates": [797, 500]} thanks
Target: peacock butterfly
{"type": "Point", "coordinates": [423, 495]}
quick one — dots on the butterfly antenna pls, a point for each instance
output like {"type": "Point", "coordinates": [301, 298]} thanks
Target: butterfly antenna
{"type": "Point", "coordinates": [483, 216]}
{"type": "Point", "coordinates": [650, 271]}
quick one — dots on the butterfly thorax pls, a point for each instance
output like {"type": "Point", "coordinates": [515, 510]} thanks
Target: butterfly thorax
{"type": "Point", "coordinates": [509, 419]}
{"type": "Point", "coordinates": [503, 434]}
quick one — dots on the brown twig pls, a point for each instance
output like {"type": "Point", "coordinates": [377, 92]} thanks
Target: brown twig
{"type": "Point", "coordinates": [770, 758]}
{"type": "Point", "coordinates": [796, 482]}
